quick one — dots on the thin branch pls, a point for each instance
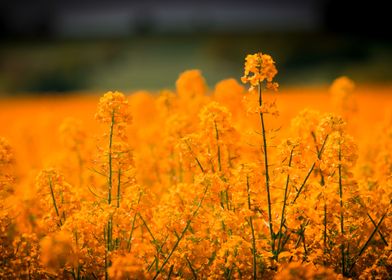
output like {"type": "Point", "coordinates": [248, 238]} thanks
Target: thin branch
{"type": "Point", "coordinates": [182, 234]}
{"type": "Point", "coordinates": [364, 247]}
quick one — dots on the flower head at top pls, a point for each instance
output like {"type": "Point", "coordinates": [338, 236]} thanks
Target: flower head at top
{"type": "Point", "coordinates": [259, 68]}
{"type": "Point", "coordinates": [113, 107]}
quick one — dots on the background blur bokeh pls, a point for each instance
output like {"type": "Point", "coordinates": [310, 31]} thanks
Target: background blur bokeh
{"type": "Point", "coordinates": [65, 46]}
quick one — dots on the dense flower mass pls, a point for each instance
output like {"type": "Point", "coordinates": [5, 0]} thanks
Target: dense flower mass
{"type": "Point", "coordinates": [113, 107]}
{"type": "Point", "coordinates": [259, 68]}
{"type": "Point", "coordinates": [6, 161]}
{"type": "Point", "coordinates": [204, 184]}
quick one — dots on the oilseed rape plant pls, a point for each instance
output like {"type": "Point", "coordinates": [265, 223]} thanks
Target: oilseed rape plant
{"type": "Point", "coordinates": [200, 184]}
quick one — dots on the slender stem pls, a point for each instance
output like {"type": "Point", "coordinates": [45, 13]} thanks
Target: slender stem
{"type": "Point", "coordinates": [301, 235]}
{"type": "Point", "coordinates": [364, 247]}
{"type": "Point", "coordinates": [284, 242]}
{"type": "Point", "coordinates": [379, 231]}
{"type": "Point", "coordinates": [341, 211]}
{"type": "Point", "coordinates": [304, 182]}
{"type": "Point", "coordinates": [77, 245]}
{"type": "Point", "coordinates": [159, 252]}
{"type": "Point", "coordinates": [180, 171]}
{"type": "Point", "coordinates": [224, 194]}
{"type": "Point", "coordinates": [78, 273]}
{"type": "Point", "coordinates": [110, 160]}
{"type": "Point", "coordinates": [319, 154]}
{"type": "Point", "coordinates": [106, 254]}
{"type": "Point", "coordinates": [192, 269]}
{"type": "Point", "coordinates": [374, 224]}
{"type": "Point", "coordinates": [197, 160]}
{"type": "Point", "coordinates": [253, 233]}
{"type": "Point", "coordinates": [325, 222]}
{"type": "Point", "coordinates": [80, 162]}
{"type": "Point", "coordinates": [304, 243]}
{"type": "Point", "coordinates": [325, 227]}
{"type": "Point", "coordinates": [170, 272]}
{"type": "Point", "coordinates": [118, 187]}
{"type": "Point", "coordinates": [108, 230]}
{"type": "Point", "coordinates": [109, 233]}
{"type": "Point", "coordinates": [129, 245]}
{"type": "Point", "coordinates": [182, 234]}
{"type": "Point", "coordinates": [322, 183]}
{"type": "Point", "coordinates": [54, 201]}
{"type": "Point", "coordinates": [282, 218]}
{"type": "Point", "coordinates": [322, 180]}
{"type": "Point", "coordinates": [229, 273]}
{"type": "Point", "coordinates": [149, 231]}
{"type": "Point", "coordinates": [217, 143]}
{"type": "Point", "coordinates": [72, 272]}
{"type": "Point", "coordinates": [267, 179]}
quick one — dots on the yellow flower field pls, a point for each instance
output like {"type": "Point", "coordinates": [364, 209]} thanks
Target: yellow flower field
{"type": "Point", "coordinates": [240, 180]}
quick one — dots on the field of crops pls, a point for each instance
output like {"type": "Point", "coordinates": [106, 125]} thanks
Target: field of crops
{"type": "Point", "coordinates": [240, 180]}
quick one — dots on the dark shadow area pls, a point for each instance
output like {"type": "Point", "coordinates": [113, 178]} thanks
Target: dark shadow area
{"type": "Point", "coordinates": [52, 46]}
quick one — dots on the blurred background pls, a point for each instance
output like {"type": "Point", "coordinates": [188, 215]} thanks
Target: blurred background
{"type": "Point", "coordinates": [56, 47]}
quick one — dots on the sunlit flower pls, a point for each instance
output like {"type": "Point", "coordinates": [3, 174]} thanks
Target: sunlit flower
{"type": "Point", "coordinates": [259, 68]}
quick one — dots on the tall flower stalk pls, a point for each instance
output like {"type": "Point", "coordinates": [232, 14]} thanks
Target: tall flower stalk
{"type": "Point", "coordinates": [113, 111]}
{"type": "Point", "coordinates": [252, 231]}
{"type": "Point", "coordinates": [341, 211]}
{"type": "Point", "coordinates": [259, 70]}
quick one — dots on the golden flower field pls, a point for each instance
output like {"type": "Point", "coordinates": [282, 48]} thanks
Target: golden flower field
{"type": "Point", "coordinates": [240, 180]}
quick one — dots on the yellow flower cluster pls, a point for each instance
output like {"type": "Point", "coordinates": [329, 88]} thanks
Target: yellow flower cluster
{"type": "Point", "coordinates": [113, 107]}
{"type": "Point", "coordinates": [6, 155]}
{"type": "Point", "coordinates": [205, 184]}
{"type": "Point", "coordinates": [6, 160]}
{"type": "Point", "coordinates": [259, 68]}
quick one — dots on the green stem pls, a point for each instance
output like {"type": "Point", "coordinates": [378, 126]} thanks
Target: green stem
{"type": "Point", "coordinates": [311, 170]}
{"type": "Point", "coordinates": [301, 236]}
{"type": "Point", "coordinates": [182, 234]}
{"type": "Point", "coordinates": [129, 245]}
{"type": "Point", "coordinates": [170, 272]}
{"type": "Point", "coordinates": [80, 162]}
{"type": "Point", "coordinates": [110, 160]}
{"type": "Point", "coordinates": [78, 273]}
{"type": "Point", "coordinates": [159, 252]}
{"type": "Point", "coordinates": [54, 201]}
{"type": "Point", "coordinates": [108, 229]}
{"type": "Point", "coordinates": [322, 180]}
{"type": "Point", "coordinates": [149, 231]}
{"type": "Point", "coordinates": [304, 242]}
{"type": "Point", "coordinates": [192, 269]}
{"type": "Point", "coordinates": [217, 143]}
{"type": "Point", "coordinates": [282, 218]}
{"type": "Point", "coordinates": [325, 227]}
{"type": "Point", "coordinates": [109, 233]}
{"type": "Point", "coordinates": [253, 233]}
{"type": "Point", "coordinates": [197, 160]}
{"type": "Point", "coordinates": [374, 223]}
{"type": "Point", "coordinates": [304, 182]}
{"type": "Point", "coordinates": [106, 254]}
{"type": "Point", "coordinates": [341, 211]}
{"type": "Point", "coordinates": [322, 183]}
{"type": "Point", "coordinates": [267, 178]}
{"type": "Point", "coordinates": [118, 187]}
{"type": "Point", "coordinates": [379, 232]}
{"type": "Point", "coordinates": [364, 247]}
